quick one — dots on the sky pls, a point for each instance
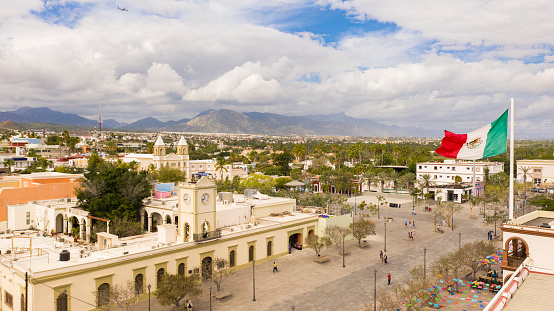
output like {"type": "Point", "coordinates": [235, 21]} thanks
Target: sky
{"type": "Point", "coordinates": [431, 64]}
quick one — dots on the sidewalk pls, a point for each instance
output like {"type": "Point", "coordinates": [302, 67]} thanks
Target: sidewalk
{"type": "Point", "coordinates": [307, 285]}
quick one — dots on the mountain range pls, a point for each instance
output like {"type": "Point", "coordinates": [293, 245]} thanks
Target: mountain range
{"type": "Point", "coordinates": [228, 121]}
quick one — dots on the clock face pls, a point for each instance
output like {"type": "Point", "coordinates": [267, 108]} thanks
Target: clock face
{"type": "Point", "coordinates": [186, 197]}
{"type": "Point", "coordinates": [205, 198]}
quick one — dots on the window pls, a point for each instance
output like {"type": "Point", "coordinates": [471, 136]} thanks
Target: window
{"type": "Point", "coordinates": [232, 259]}
{"type": "Point", "coordinates": [420, 167]}
{"type": "Point", "coordinates": [159, 276]}
{"type": "Point", "coordinates": [467, 168]}
{"type": "Point", "coordinates": [467, 177]}
{"type": "Point", "coordinates": [537, 170]}
{"type": "Point", "coordinates": [25, 184]}
{"type": "Point", "coordinates": [192, 166]}
{"type": "Point", "coordinates": [448, 167]}
{"type": "Point", "coordinates": [61, 302]}
{"type": "Point", "coordinates": [22, 302]}
{"type": "Point", "coordinates": [103, 296]}
{"type": "Point", "coordinates": [453, 168]}
{"type": "Point", "coordinates": [435, 168]}
{"type": "Point", "coordinates": [28, 218]}
{"type": "Point", "coordinates": [269, 248]}
{"type": "Point", "coordinates": [435, 176]}
{"type": "Point", "coordinates": [200, 166]}
{"type": "Point", "coordinates": [478, 178]}
{"type": "Point", "coordinates": [139, 284]}
{"type": "Point", "coordinates": [251, 253]}
{"type": "Point", "coordinates": [477, 169]}
{"type": "Point", "coordinates": [181, 269]}
{"type": "Point", "coordinates": [440, 167]}
{"type": "Point", "coordinates": [8, 299]}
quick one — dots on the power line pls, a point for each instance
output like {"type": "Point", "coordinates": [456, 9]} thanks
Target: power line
{"type": "Point", "coordinates": [57, 290]}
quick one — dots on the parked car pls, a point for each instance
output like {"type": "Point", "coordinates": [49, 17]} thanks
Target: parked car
{"type": "Point", "coordinates": [550, 190]}
{"type": "Point", "coordinates": [534, 189]}
{"type": "Point", "coordinates": [542, 190]}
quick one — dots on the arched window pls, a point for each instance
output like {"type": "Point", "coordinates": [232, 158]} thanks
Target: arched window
{"type": "Point", "coordinates": [251, 253]}
{"type": "Point", "coordinates": [61, 302]}
{"type": "Point", "coordinates": [103, 296]}
{"type": "Point", "coordinates": [22, 302]}
{"type": "Point", "coordinates": [269, 244]}
{"type": "Point", "coordinates": [181, 269]}
{"type": "Point", "coordinates": [168, 219]}
{"type": "Point", "coordinates": [160, 274]}
{"type": "Point", "coordinates": [187, 229]}
{"type": "Point", "coordinates": [232, 258]}
{"type": "Point", "coordinates": [139, 284]}
{"type": "Point", "coordinates": [205, 229]}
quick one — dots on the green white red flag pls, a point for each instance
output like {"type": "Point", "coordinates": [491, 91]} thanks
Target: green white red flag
{"type": "Point", "coordinates": [488, 141]}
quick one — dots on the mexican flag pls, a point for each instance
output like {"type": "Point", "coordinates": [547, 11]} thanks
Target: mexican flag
{"type": "Point", "coordinates": [482, 143]}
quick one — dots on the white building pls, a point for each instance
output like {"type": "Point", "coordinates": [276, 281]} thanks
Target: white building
{"type": "Point", "coordinates": [445, 173]}
{"type": "Point", "coordinates": [538, 171]}
{"type": "Point", "coordinates": [528, 268]}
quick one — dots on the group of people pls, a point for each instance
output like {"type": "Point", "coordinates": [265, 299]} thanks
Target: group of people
{"type": "Point", "coordinates": [489, 235]}
{"type": "Point", "coordinates": [411, 235]}
{"type": "Point", "coordinates": [383, 257]}
{"type": "Point", "coordinates": [409, 224]}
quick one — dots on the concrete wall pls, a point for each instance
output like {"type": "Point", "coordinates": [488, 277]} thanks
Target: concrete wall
{"type": "Point", "coordinates": [341, 221]}
{"type": "Point", "coordinates": [231, 216]}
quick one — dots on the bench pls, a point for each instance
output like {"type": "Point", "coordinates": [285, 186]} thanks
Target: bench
{"type": "Point", "coordinates": [222, 295]}
{"type": "Point", "coordinates": [322, 259]}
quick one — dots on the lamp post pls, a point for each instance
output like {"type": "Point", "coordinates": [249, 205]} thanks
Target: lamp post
{"type": "Point", "coordinates": [149, 286]}
{"type": "Point", "coordinates": [459, 240]}
{"type": "Point", "coordinates": [343, 251]}
{"type": "Point", "coordinates": [385, 236]}
{"type": "Point", "coordinates": [210, 298]}
{"type": "Point", "coordinates": [425, 262]}
{"type": "Point", "coordinates": [375, 291]}
{"type": "Point", "coordinates": [253, 280]}
{"type": "Point", "coordinates": [452, 217]}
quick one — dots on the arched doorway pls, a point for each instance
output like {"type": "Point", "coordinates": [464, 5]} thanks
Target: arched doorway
{"type": "Point", "coordinates": [157, 219]}
{"type": "Point", "coordinates": [181, 269]}
{"type": "Point", "coordinates": [59, 223]}
{"type": "Point", "coordinates": [251, 253]}
{"type": "Point", "coordinates": [168, 219]}
{"type": "Point", "coordinates": [232, 255]}
{"type": "Point", "coordinates": [187, 231]}
{"type": "Point", "coordinates": [206, 268]}
{"type": "Point", "coordinates": [310, 233]}
{"type": "Point", "coordinates": [145, 224]}
{"type": "Point", "coordinates": [139, 284]}
{"type": "Point", "coordinates": [103, 296]}
{"type": "Point", "coordinates": [75, 226]}
{"type": "Point", "coordinates": [159, 276]}
{"type": "Point", "coordinates": [295, 241]}
{"type": "Point", "coordinates": [269, 248]}
{"type": "Point", "coordinates": [22, 302]}
{"type": "Point", "coordinates": [61, 302]}
{"type": "Point", "coordinates": [516, 250]}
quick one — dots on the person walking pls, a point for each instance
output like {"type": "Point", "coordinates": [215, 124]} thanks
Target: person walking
{"type": "Point", "coordinates": [409, 224]}
{"type": "Point", "coordinates": [405, 223]}
{"type": "Point", "coordinates": [189, 305]}
{"type": "Point", "coordinates": [381, 257]}
{"type": "Point", "coordinates": [409, 235]}
{"type": "Point", "coordinates": [389, 278]}
{"type": "Point", "coordinates": [413, 223]}
{"type": "Point", "coordinates": [385, 258]}
{"type": "Point", "coordinates": [275, 267]}
{"type": "Point", "coordinates": [413, 234]}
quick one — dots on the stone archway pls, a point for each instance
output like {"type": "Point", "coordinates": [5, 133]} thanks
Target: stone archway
{"type": "Point", "coordinates": [515, 251]}
{"type": "Point", "coordinates": [157, 220]}
{"type": "Point", "coordinates": [168, 219]}
{"type": "Point", "coordinates": [59, 223]}
{"type": "Point", "coordinates": [206, 268]}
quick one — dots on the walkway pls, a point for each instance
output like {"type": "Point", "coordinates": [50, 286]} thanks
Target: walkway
{"type": "Point", "coordinates": [307, 285]}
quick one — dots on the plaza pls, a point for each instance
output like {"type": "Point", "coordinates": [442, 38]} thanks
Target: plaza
{"type": "Point", "coordinates": [306, 285]}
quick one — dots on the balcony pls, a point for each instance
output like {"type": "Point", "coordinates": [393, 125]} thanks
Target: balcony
{"type": "Point", "coordinates": [207, 236]}
{"type": "Point", "coordinates": [514, 262]}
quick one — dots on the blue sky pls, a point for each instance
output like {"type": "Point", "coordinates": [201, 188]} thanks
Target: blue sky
{"type": "Point", "coordinates": [448, 65]}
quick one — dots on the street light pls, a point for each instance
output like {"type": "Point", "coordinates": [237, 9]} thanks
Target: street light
{"type": "Point", "coordinates": [210, 298]}
{"type": "Point", "coordinates": [253, 280]}
{"type": "Point", "coordinates": [424, 262]}
{"type": "Point", "coordinates": [385, 236]}
{"type": "Point", "coordinates": [375, 291]}
{"type": "Point", "coordinates": [149, 286]}
{"type": "Point", "coordinates": [343, 251]}
{"type": "Point", "coordinates": [459, 240]}
{"type": "Point", "coordinates": [452, 217]}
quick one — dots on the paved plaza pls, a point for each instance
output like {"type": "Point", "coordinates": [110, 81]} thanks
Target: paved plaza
{"type": "Point", "coordinates": [306, 285]}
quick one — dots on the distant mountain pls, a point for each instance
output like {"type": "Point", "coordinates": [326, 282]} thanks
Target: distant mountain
{"type": "Point", "coordinates": [228, 121]}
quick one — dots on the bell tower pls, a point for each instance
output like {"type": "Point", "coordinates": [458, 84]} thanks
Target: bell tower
{"type": "Point", "coordinates": [159, 152]}
{"type": "Point", "coordinates": [197, 213]}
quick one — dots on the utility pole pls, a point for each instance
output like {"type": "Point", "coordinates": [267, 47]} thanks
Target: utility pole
{"type": "Point", "coordinates": [253, 280]}
{"type": "Point", "coordinates": [459, 240]}
{"type": "Point", "coordinates": [343, 251]}
{"type": "Point", "coordinates": [375, 292]}
{"type": "Point", "coordinates": [385, 236]}
{"type": "Point", "coordinates": [27, 290]}
{"type": "Point", "coordinates": [425, 263]}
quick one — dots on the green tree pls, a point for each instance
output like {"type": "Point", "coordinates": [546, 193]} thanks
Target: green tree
{"type": "Point", "coordinates": [173, 288]}
{"type": "Point", "coordinates": [9, 163]}
{"type": "Point", "coordinates": [336, 234]}
{"type": "Point", "coordinates": [32, 153]}
{"type": "Point", "coordinates": [220, 270]}
{"type": "Point", "coordinates": [114, 191]}
{"type": "Point", "coordinates": [167, 174]}
{"type": "Point", "coordinates": [318, 243]}
{"type": "Point", "coordinates": [299, 151]}
{"type": "Point", "coordinates": [361, 229]}
{"type": "Point", "coordinates": [263, 183]}
{"type": "Point", "coordinates": [220, 166]}
{"type": "Point", "coordinates": [282, 160]}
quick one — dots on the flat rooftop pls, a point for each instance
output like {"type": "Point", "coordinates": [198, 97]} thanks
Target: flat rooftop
{"type": "Point", "coordinates": [537, 222]}
{"type": "Point", "coordinates": [534, 294]}
{"type": "Point", "coordinates": [46, 250]}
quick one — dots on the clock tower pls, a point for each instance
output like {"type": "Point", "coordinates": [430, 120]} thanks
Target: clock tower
{"type": "Point", "coordinates": [196, 209]}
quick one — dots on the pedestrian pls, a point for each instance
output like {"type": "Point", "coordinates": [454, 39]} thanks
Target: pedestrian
{"type": "Point", "coordinates": [413, 223]}
{"type": "Point", "coordinates": [381, 256]}
{"type": "Point", "coordinates": [274, 267]}
{"type": "Point", "coordinates": [189, 305]}
{"type": "Point", "coordinates": [409, 235]}
{"type": "Point", "coordinates": [409, 224]}
{"type": "Point", "coordinates": [413, 235]}
{"type": "Point", "coordinates": [385, 258]}
{"type": "Point", "coordinates": [488, 235]}
{"type": "Point", "coordinates": [405, 223]}
{"type": "Point", "coordinates": [389, 277]}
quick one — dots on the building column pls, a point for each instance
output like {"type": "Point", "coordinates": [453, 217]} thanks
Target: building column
{"type": "Point", "coordinates": [142, 220]}
{"type": "Point", "coordinates": [64, 224]}
{"type": "Point", "coordinates": [108, 226]}
{"type": "Point", "coordinates": [149, 223]}
{"type": "Point", "coordinates": [69, 225]}
{"type": "Point", "coordinates": [81, 229]}
{"type": "Point", "coordinates": [88, 230]}
{"type": "Point", "coordinates": [164, 219]}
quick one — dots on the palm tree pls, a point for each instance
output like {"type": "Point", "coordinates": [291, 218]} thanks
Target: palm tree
{"type": "Point", "coordinates": [220, 166]}
{"type": "Point", "coordinates": [381, 178]}
{"type": "Point", "coordinates": [9, 163]}
{"type": "Point", "coordinates": [525, 170]}
{"type": "Point", "coordinates": [299, 151]}
{"type": "Point", "coordinates": [426, 182]}
{"type": "Point", "coordinates": [394, 177]}
{"type": "Point", "coordinates": [408, 179]}
{"type": "Point", "coordinates": [369, 174]}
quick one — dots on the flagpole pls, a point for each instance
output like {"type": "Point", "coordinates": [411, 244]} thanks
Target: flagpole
{"type": "Point", "coordinates": [511, 200]}
{"type": "Point", "coordinates": [474, 194]}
